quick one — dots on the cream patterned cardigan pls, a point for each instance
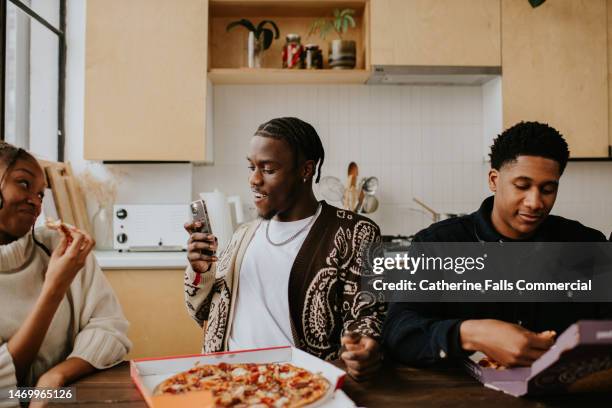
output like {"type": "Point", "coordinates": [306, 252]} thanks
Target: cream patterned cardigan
{"type": "Point", "coordinates": [325, 293]}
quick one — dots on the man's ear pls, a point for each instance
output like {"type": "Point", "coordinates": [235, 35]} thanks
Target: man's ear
{"type": "Point", "coordinates": [493, 179]}
{"type": "Point", "coordinates": [308, 169]}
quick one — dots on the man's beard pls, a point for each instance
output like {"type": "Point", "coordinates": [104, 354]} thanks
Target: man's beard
{"type": "Point", "coordinates": [269, 215]}
{"type": "Point", "coordinates": [291, 197]}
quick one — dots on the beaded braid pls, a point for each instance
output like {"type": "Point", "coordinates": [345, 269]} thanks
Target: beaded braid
{"type": "Point", "coordinates": [301, 137]}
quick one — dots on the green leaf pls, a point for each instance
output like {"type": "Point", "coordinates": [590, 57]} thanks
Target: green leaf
{"type": "Point", "coordinates": [344, 25]}
{"type": "Point", "coordinates": [347, 12]}
{"type": "Point", "coordinates": [336, 13]}
{"type": "Point", "coordinates": [261, 25]}
{"type": "Point", "coordinates": [536, 3]}
{"type": "Point", "coordinates": [314, 26]}
{"type": "Point", "coordinates": [268, 36]}
{"type": "Point", "coordinates": [351, 20]}
{"type": "Point", "coordinates": [326, 29]}
{"type": "Point", "coordinates": [338, 25]}
{"type": "Point", "coordinates": [242, 22]}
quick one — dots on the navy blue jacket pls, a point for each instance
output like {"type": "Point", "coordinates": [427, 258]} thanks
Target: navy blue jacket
{"type": "Point", "coordinates": [426, 333]}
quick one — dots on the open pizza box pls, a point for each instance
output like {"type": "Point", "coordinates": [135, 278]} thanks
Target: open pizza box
{"type": "Point", "coordinates": [580, 361]}
{"type": "Point", "coordinates": [147, 373]}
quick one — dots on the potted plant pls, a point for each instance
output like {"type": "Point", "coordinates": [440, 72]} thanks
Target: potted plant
{"type": "Point", "coordinates": [260, 38]}
{"type": "Point", "coordinates": [342, 53]}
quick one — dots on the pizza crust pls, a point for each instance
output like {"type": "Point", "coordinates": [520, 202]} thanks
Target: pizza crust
{"type": "Point", "coordinates": [58, 225]}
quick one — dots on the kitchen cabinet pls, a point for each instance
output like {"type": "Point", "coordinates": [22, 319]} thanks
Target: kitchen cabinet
{"type": "Point", "coordinates": [145, 80]}
{"type": "Point", "coordinates": [448, 33]}
{"type": "Point", "coordinates": [153, 302]}
{"type": "Point", "coordinates": [555, 70]}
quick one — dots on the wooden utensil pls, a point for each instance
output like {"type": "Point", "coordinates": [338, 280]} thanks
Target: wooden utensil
{"type": "Point", "coordinates": [348, 193]}
{"type": "Point", "coordinates": [353, 170]}
{"type": "Point", "coordinates": [353, 173]}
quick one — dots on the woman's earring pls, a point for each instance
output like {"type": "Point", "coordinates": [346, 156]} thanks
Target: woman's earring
{"type": "Point", "coordinates": [305, 179]}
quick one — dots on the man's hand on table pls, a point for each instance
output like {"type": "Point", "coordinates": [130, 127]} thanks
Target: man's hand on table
{"type": "Point", "coordinates": [508, 344]}
{"type": "Point", "coordinates": [362, 356]}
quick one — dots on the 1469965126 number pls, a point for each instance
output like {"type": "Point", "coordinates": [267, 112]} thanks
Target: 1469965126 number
{"type": "Point", "coordinates": [25, 394]}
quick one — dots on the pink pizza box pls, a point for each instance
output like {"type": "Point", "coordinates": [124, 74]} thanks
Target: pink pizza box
{"type": "Point", "coordinates": [147, 373]}
{"type": "Point", "coordinates": [579, 361]}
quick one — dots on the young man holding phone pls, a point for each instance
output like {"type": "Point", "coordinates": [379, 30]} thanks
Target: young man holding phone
{"type": "Point", "coordinates": [292, 276]}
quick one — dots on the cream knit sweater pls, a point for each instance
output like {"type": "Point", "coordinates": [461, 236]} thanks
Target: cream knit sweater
{"type": "Point", "coordinates": [88, 324]}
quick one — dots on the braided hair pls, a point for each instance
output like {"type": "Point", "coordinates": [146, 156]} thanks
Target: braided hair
{"type": "Point", "coordinates": [299, 135]}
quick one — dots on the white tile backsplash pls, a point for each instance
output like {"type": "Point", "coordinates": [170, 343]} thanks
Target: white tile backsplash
{"type": "Point", "coordinates": [420, 141]}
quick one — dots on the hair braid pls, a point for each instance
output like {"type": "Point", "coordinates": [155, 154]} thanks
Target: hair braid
{"type": "Point", "coordinates": [301, 137]}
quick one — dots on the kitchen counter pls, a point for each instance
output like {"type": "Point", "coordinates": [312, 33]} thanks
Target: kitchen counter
{"type": "Point", "coordinates": [141, 260]}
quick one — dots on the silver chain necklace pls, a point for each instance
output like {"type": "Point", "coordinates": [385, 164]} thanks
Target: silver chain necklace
{"type": "Point", "coordinates": [294, 236]}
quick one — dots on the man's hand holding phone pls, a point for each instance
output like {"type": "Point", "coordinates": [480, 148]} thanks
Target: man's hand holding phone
{"type": "Point", "coordinates": [201, 248]}
{"type": "Point", "coordinates": [202, 244]}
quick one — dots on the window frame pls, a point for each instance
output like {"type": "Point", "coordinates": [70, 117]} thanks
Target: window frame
{"type": "Point", "coordinates": [60, 33]}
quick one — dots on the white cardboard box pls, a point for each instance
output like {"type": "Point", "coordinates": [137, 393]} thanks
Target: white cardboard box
{"type": "Point", "coordinates": [147, 373]}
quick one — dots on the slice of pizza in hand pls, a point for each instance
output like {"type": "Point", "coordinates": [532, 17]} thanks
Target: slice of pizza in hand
{"type": "Point", "coordinates": [58, 225]}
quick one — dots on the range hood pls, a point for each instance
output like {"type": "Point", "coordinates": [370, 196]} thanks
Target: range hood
{"type": "Point", "coordinates": [431, 75]}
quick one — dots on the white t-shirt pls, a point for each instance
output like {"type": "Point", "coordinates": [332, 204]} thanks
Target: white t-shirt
{"type": "Point", "coordinates": [262, 306]}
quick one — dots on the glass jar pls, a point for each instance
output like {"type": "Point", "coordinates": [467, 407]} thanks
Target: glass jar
{"type": "Point", "coordinates": [313, 57]}
{"type": "Point", "coordinates": [293, 52]}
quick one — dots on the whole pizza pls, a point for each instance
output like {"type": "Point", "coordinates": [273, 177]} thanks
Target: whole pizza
{"type": "Point", "coordinates": [250, 385]}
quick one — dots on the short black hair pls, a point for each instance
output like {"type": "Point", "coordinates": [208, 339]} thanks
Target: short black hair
{"type": "Point", "coordinates": [529, 139]}
{"type": "Point", "coordinates": [301, 137]}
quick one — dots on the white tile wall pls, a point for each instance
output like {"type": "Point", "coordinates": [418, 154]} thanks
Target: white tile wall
{"type": "Point", "coordinates": [420, 141]}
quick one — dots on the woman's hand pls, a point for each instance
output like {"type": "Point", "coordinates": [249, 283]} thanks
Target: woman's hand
{"type": "Point", "coordinates": [62, 374]}
{"type": "Point", "coordinates": [201, 248]}
{"type": "Point", "coordinates": [67, 259]}
{"type": "Point", "coordinates": [47, 380]}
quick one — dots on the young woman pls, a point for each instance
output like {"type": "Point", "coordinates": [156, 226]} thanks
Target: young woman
{"type": "Point", "coordinates": [59, 318]}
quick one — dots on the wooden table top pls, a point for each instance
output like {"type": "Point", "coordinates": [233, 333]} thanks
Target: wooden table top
{"type": "Point", "coordinates": [395, 386]}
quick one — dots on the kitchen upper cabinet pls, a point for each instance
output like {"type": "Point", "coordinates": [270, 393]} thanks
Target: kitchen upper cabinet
{"type": "Point", "coordinates": [555, 70]}
{"type": "Point", "coordinates": [451, 33]}
{"type": "Point", "coordinates": [145, 80]}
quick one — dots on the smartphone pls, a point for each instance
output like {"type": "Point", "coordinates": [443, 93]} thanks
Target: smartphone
{"type": "Point", "coordinates": [200, 213]}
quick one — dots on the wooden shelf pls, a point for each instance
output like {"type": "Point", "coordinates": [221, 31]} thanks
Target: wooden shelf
{"type": "Point", "coordinates": [287, 76]}
{"type": "Point", "coordinates": [227, 50]}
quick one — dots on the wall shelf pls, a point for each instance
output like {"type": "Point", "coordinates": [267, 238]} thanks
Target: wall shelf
{"type": "Point", "coordinates": [227, 50]}
{"type": "Point", "coordinates": [246, 76]}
